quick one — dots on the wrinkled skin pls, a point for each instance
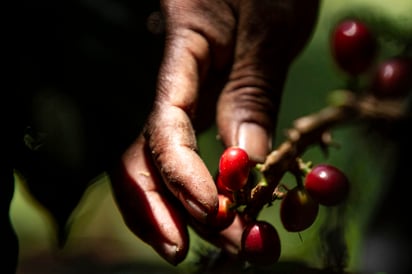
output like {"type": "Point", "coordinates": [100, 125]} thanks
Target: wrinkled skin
{"type": "Point", "coordinates": [88, 81]}
{"type": "Point", "coordinates": [229, 56]}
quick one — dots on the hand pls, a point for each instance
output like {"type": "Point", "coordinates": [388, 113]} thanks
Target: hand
{"type": "Point", "coordinates": [228, 57]}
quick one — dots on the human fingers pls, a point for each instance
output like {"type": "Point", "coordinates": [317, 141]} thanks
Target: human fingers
{"type": "Point", "coordinates": [270, 34]}
{"type": "Point", "coordinates": [228, 239]}
{"type": "Point", "coordinates": [146, 206]}
{"type": "Point", "coordinates": [190, 35]}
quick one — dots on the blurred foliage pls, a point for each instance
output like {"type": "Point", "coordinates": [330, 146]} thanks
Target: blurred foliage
{"type": "Point", "coordinates": [98, 234]}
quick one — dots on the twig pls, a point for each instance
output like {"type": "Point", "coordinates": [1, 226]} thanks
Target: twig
{"type": "Point", "coordinates": [313, 129]}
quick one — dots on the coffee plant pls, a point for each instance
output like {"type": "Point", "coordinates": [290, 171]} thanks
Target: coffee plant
{"type": "Point", "coordinates": [377, 93]}
{"type": "Point", "coordinates": [382, 103]}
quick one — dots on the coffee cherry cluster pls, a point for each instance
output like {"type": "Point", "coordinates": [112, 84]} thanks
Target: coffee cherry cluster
{"type": "Point", "coordinates": [245, 187]}
{"type": "Point", "coordinates": [355, 50]}
{"type": "Point", "coordinates": [322, 184]}
{"type": "Point", "coordinates": [260, 243]}
{"type": "Point", "coordinates": [355, 47]}
{"type": "Point", "coordinates": [233, 174]}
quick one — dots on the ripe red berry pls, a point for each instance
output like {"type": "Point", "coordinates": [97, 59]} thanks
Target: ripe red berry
{"type": "Point", "coordinates": [234, 168]}
{"type": "Point", "coordinates": [298, 210]}
{"type": "Point", "coordinates": [353, 46]}
{"type": "Point", "coordinates": [393, 77]}
{"type": "Point", "coordinates": [260, 243]}
{"type": "Point", "coordinates": [225, 214]}
{"type": "Point", "coordinates": [327, 185]}
{"type": "Point", "coordinates": [222, 189]}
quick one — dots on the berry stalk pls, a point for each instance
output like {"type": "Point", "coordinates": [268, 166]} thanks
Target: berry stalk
{"type": "Point", "coordinates": [314, 129]}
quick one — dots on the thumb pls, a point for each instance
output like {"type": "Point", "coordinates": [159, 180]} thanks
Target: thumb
{"type": "Point", "coordinates": [268, 39]}
{"type": "Point", "coordinates": [247, 113]}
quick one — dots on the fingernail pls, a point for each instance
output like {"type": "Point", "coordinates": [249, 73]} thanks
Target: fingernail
{"type": "Point", "coordinates": [255, 140]}
{"type": "Point", "coordinates": [198, 211]}
{"type": "Point", "coordinates": [172, 253]}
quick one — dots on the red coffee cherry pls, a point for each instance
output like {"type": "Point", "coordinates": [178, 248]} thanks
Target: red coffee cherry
{"type": "Point", "coordinates": [234, 168]}
{"type": "Point", "coordinates": [298, 210]}
{"type": "Point", "coordinates": [327, 185]}
{"type": "Point", "coordinates": [225, 214]}
{"type": "Point", "coordinates": [393, 77]}
{"type": "Point", "coordinates": [353, 46]}
{"type": "Point", "coordinates": [222, 189]}
{"type": "Point", "coordinates": [260, 243]}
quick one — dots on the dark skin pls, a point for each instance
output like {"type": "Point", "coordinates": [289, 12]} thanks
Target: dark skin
{"type": "Point", "coordinates": [231, 56]}
{"type": "Point", "coordinates": [221, 61]}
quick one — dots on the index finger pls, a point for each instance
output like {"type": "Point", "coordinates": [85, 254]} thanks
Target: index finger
{"type": "Point", "coordinates": [169, 130]}
{"type": "Point", "coordinates": [173, 146]}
